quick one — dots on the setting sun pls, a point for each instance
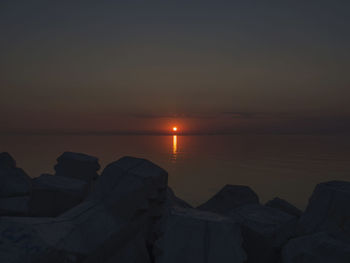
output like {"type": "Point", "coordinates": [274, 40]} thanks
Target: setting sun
{"type": "Point", "coordinates": [174, 129]}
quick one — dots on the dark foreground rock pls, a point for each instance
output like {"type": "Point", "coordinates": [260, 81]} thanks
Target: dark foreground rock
{"type": "Point", "coordinates": [197, 236]}
{"type": "Point", "coordinates": [328, 209]}
{"type": "Point", "coordinates": [284, 206]}
{"type": "Point", "coordinates": [53, 195]}
{"type": "Point", "coordinates": [14, 182]}
{"type": "Point", "coordinates": [77, 165]}
{"type": "Point", "coordinates": [317, 248]}
{"type": "Point", "coordinates": [7, 161]}
{"type": "Point", "coordinates": [15, 188]}
{"type": "Point", "coordinates": [130, 215]}
{"type": "Point", "coordinates": [150, 194]}
{"type": "Point", "coordinates": [14, 206]}
{"type": "Point", "coordinates": [265, 230]}
{"type": "Point", "coordinates": [115, 220]}
{"type": "Point", "coordinates": [230, 197]}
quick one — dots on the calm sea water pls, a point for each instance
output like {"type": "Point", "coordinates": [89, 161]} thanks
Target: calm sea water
{"type": "Point", "coordinates": [198, 166]}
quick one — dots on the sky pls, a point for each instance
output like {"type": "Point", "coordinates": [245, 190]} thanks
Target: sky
{"type": "Point", "coordinates": [204, 66]}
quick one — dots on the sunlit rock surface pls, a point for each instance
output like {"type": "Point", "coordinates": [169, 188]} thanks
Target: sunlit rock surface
{"type": "Point", "coordinates": [328, 209]}
{"type": "Point", "coordinates": [196, 236]}
{"type": "Point", "coordinates": [78, 166]}
{"type": "Point", "coordinates": [230, 197]}
{"type": "Point", "coordinates": [284, 206]}
{"type": "Point", "coordinates": [317, 248]}
{"type": "Point", "coordinates": [265, 230]}
{"type": "Point", "coordinates": [53, 195]}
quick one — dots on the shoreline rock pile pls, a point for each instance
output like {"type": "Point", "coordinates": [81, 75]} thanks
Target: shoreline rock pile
{"type": "Point", "coordinates": [128, 214]}
{"type": "Point", "coordinates": [15, 187]}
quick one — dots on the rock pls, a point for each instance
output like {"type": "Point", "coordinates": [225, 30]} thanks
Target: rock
{"type": "Point", "coordinates": [284, 206]}
{"type": "Point", "coordinates": [328, 209]}
{"type": "Point", "coordinates": [265, 230]}
{"type": "Point", "coordinates": [53, 195]}
{"type": "Point", "coordinates": [70, 237]}
{"type": "Point", "coordinates": [196, 236]}
{"type": "Point", "coordinates": [174, 201]}
{"type": "Point", "coordinates": [114, 221]}
{"type": "Point", "coordinates": [140, 173]}
{"type": "Point", "coordinates": [14, 182]}
{"type": "Point", "coordinates": [230, 197]}
{"type": "Point", "coordinates": [317, 248]}
{"type": "Point", "coordinates": [134, 251]}
{"type": "Point", "coordinates": [136, 173]}
{"type": "Point", "coordinates": [14, 206]}
{"type": "Point", "coordinates": [6, 161]}
{"type": "Point", "coordinates": [77, 165]}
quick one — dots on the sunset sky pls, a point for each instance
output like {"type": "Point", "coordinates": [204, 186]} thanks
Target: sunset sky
{"type": "Point", "coordinates": [203, 66]}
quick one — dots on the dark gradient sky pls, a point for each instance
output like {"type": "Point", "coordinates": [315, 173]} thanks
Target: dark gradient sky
{"type": "Point", "coordinates": [207, 66]}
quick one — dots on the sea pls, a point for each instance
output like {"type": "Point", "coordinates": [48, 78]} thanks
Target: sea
{"type": "Point", "coordinates": [284, 166]}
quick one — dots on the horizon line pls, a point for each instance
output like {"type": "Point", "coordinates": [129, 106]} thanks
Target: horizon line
{"type": "Point", "coordinates": [148, 133]}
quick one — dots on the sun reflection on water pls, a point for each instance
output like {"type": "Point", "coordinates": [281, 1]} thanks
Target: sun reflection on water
{"type": "Point", "coordinates": [174, 154]}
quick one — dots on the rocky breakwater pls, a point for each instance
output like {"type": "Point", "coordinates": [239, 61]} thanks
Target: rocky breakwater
{"type": "Point", "coordinates": [128, 214]}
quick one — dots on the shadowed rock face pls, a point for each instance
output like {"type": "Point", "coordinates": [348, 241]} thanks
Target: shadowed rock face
{"type": "Point", "coordinates": [115, 221]}
{"type": "Point", "coordinates": [197, 236]}
{"type": "Point", "coordinates": [77, 165]}
{"type": "Point", "coordinates": [14, 206]}
{"type": "Point", "coordinates": [230, 197]}
{"type": "Point", "coordinates": [53, 195]}
{"type": "Point", "coordinates": [14, 182]}
{"type": "Point", "coordinates": [284, 206]}
{"type": "Point", "coordinates": [131, 216]}
{"type": "Point", "coordinates": [139, 172]}
{"type": "Point", "coordinates": [328, 209]}
{"type": "Point", "coordinates": [15, 188]}
{"type": "Point", "coordinates": [265, 230]}
{"type": "Point", "coordinates": [317, 248]}
{"type": "Point", "coordinates": [6, 161]}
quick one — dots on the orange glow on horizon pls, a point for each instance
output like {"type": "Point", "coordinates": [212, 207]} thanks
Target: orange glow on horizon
{"type": "Point", "coordinates": [174, 129]}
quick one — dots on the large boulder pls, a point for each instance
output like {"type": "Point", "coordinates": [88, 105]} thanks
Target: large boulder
{"type": "Point", "coordinates": [131, 251]}
{"type": "Point", "coordinates": [284, 206]}
{"type": "Point", "coordinates": [69, 238]}
{"type": "Point", "coordinates": [265, 230]}
{"type": "Point", "coordinates": [230, 197]}
{"type": "Point", "coordinates": [53, 195]}
{"type": "Point", "coordinates": [112, 222]}
{"type": "Point", "coordinates": [129, 172]}
{"type": "Point", "coordinates": [14, 206]}
{"type": "Point", "coordinates": [196, 236]}
{"type": "Point", "coordinates": [14, 182]}
{"type": "Point", "coordinates": [328, 209]}
{"type": "Point", "coordinates": [172, 201]}
{"type": "Point", "coordinates": [317, 248]}
{"type": "Point", "coordinates": [78, 166]}
{"type": "Point", "coordinates": [6, 161]}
